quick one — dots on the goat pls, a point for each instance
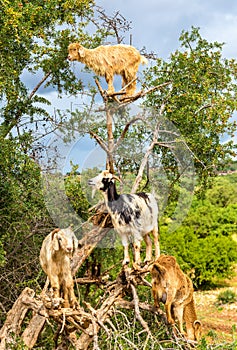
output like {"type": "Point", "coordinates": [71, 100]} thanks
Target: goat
{"type": "Point", "coordinates": [57, 249]}
{"type": "Point", "coordinates": [108, 60]}
{"type": "Point", "coordinates": [173, 288]}
{"type": "Point", "coordinates": [133, 216]}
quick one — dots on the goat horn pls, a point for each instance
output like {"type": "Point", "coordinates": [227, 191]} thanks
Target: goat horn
{"type": "Point", "coordinates": [116, 178]}
{"type": "Point", "coordinates": [55, 231]}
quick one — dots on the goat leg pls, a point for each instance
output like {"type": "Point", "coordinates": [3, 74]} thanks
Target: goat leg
{"type": "Point", "coordinates": [178, 312]}
{"type": "Point", "coordinates": [55, 286]}
{"type": "Point", "coordinates": [137, 247]}
{"type": "Point", "coordinates": [170, 319]}
{"type": "Point", "coordinates": [126, 259]}
{"type": "Point", "coordinates": [156, 242]}
{"type": "Point", "coordinates": [109, 79]}
{"type": "Point", "coordinates": [148, 248]}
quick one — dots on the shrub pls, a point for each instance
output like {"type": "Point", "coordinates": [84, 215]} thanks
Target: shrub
{"type": "Point", "coordinates": [227, 296]}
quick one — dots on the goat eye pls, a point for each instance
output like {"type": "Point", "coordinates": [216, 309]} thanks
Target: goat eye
{"type": "Point", "coordinates": [59, 239]}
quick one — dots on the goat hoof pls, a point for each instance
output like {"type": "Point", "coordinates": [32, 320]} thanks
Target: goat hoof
{"type": "Point", "coordinates": [75, 305]}
{"type": "Point", "coordinates": [56, 302]}
{"type": "Point", "coordinates": [147, 261]}
{"type": "Point", "coordinates": [170, 321]}
{"type": "Point", "coordinates": [136, 265]}
{"type": "Point", "coordinates": [125, 262]}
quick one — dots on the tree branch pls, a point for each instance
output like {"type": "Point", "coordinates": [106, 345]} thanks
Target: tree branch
{"type": "Point", "coordinates": [148, 152]}
{"type": "Point", "coordinates": [137, 311]}
{"type": "Point", "coordinates": [120, 139]}
{"type": "Point", "coordinates": [100, 141]}
{"type": "Point", "coordinates": [142, 93]}
{"type": "Point", "coordinates": [39, 84]}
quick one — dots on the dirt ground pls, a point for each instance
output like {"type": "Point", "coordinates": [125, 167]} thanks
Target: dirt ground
{"type": "Point", "coordinates": [219, 321]}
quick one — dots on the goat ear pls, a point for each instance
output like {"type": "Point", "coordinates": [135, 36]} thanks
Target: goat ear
{"type": "Point", "coordinates": [81, 51]}
{"type": "Point", "coordinates": [55, 243]}
{"type": "Point", "coordinates": [156, 267]}
{"type": "Point", "coordinates": [159, 270]}
{"type": "Point", "coordinates": [54, 238]}
{"type": "Point", "coordinates": [54, 232]}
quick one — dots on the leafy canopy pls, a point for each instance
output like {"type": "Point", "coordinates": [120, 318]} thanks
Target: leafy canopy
{"type": "Point", "coordinates": [200, 99]}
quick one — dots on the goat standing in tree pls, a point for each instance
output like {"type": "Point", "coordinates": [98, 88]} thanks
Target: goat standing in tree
{"type": "Point", "coordinates": [55, 254]}
{"type": "Point", "coordinates": [133, 216]}
{"type": "Point", "coordinates": [108, 60]}
{"type": "Point", "coordinates": [173, 288]}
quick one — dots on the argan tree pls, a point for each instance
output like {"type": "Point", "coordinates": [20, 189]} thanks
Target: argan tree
{"type": "Point", "coordinates": [173, 136]}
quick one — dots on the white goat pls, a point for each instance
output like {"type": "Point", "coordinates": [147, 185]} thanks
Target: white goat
{"type": "Point", "coordinates": [108, 60]}
{"type": "Point", "coordinates": [133, 216]}
{"type": "Point", "coordinates": [55, 254]}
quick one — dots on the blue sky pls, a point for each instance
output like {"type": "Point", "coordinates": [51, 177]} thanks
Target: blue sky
{"type": "Point", "coordinates": [157, 25]}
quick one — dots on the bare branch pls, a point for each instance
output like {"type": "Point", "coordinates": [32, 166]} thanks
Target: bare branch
{"type": "Point", "coordinates": [100, 141]}
{"type": "Point", "coordinates": [101, 91]}
{"type": "Point", "coordinates": [36, 88]}
{"type": "Point", "coordinates": [128, 99]}
{"type": "Point", "coordinates": [209, 105]}
{"type": "Point", "coordinates": [132, 121]}
{"type": "Point", "coordinates": [148, 152]}
{"type": "Point", "coordinates": [137, 311]}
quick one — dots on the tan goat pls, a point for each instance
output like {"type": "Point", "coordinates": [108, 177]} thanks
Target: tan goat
{"type": "Point", "coordinates": [55, 254]}
{"type": "Point", "coordinates": [173, 288]}
{"type": "Point", "coordinates": [108, 60]}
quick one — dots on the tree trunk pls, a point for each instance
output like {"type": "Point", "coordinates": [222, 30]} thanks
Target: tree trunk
{"type": "Point", "coordinates": [15, 317]}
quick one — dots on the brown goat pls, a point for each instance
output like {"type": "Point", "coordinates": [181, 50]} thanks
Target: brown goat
{"type": "Point", "coordinates": [55, 254]}
{"type": "Point", "coordinates": [173, 288]}
{"type": "Point", "coordinates": [108, 60]}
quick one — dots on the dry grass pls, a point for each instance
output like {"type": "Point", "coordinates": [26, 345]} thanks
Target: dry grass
{"type": "Point", "coordinates": [219, 321]}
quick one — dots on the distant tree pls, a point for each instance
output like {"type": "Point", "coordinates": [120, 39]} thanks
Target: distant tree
{"type": "Point", "coordinates": [205, 244]}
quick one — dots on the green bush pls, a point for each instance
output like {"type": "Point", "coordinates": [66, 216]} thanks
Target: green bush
{"type": "Point", "coordinates": [204, 243]}
{"type": "Point", "coordinates": [227, 296]}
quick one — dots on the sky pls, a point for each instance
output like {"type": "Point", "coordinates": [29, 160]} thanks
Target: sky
{"type": "Point", "coordinates": [157, 25]}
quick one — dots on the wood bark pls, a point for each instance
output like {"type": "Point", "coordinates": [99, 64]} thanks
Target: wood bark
{"type": "Point", "coordinates": [80, 326]}
{"type": "Point", "coordinates": [16, 316]}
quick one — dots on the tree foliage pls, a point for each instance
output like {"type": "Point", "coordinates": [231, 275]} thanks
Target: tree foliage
{"type": "Point", "coordinates": [200, 99]}
{"type": "Point", "coordinates": [205, 244]}
{"type": "Point", "coordinates": [24, 219]}
{"type": "Point", "coordinates": [34, 40]}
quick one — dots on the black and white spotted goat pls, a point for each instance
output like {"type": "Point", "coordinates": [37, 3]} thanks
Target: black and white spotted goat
{"type": "Point", "coordinates": [133, 216]}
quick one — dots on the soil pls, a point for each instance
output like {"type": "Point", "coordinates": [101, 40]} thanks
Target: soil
{"type": "Point", "coordinates": [219, 321]}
